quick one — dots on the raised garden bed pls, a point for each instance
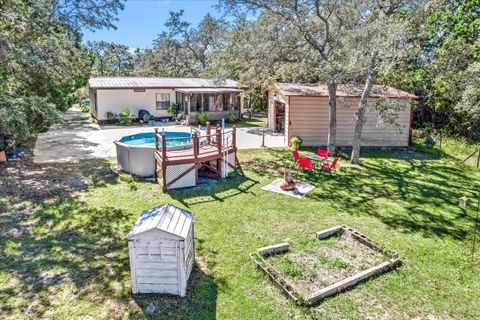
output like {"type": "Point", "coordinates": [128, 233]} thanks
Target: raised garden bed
{"type": "Point", "coordinates": [312, 270]}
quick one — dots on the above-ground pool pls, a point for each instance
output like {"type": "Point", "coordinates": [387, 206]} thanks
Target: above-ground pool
{"type": "Point", "coordinates": [147, 139]}
{"type": "Point", "coordinates": [135, 153]}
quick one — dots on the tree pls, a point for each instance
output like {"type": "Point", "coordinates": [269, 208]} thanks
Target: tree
{"type": "Point", "coordinates": [382, 37]}
{"type": "Point", "coordinates": [183, 50]}
{"type": "Point", "coordinates": [255, 53]}
{"type": "Point", "coordinates": [42, 60]}
{"type": "Point", "coordinates": [91, 14]}
{"type": "Point", "coordinates": [319, 27]}
{"type": "Point", "coordinates": [111, 59]}
{"type": "Point", "coordinates": [470, 99]}
{"type": "Point", "coordinates": [446, 43]}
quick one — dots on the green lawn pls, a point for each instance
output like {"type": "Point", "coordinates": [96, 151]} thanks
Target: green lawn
{"type": "Point", "coordinates": [255, 121]}
{"type": "Point", "coordinates": [69, 257]}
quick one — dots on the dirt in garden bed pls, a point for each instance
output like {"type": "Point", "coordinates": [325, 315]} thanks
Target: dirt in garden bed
{"type": "Point", "coordinates": [315, 264]}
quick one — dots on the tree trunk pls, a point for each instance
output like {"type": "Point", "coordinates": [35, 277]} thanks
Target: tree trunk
{"type": "Point", "coordinates": [362, 106]}
{"type": "Point", "coordinates": [332, 132]}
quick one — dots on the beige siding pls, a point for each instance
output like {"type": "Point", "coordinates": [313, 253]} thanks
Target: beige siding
{"type": "Point", "coordinates": [309, 120]}
{"type": "Point", "coordinates": [270, 110]}
{"type": "Point", "coordinates": [93, 101]}
{"type": "Point", "coordinates": [115, 100]}
{"type": "Point", "coordinates": [287, 120]}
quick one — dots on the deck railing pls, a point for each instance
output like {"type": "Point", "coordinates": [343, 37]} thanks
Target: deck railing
{"type": "Point", "coordinates": [222, 140]}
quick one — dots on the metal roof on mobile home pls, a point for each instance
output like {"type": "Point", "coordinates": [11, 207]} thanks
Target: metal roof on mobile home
{"type": "Point", "coordinates": [158, 82]}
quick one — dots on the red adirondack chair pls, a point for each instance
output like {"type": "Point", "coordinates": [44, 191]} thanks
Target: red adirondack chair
{"type": "Point", "coordinates": [305, 164]}
{"type": "Point", "coordinates": [322, 152]}
{"type": "Point", "coordinates": [330, 166]}
{"type": "Point", "coordinates": [296, 156]}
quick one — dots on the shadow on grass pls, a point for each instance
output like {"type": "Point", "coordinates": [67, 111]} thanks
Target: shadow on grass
{"type": "Point", "coordinates": [220, 190]}
{"type": "Point", "coordinates": [406, 191]}
{"type": "Point", "coordinates": [25, 181]}
{"type": "Point", "coordinates": [67, 243]}
{"type": "Point", "coordinates": [199, 303]}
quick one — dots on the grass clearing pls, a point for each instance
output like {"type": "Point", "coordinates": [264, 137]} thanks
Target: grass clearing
{"type": "Point", "coordinates": [64, 252]}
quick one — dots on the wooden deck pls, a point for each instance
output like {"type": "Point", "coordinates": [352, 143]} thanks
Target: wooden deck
{"type": "Point", "coordinates": [208, 157]}
{"type": "Point", "coordinates": [205, 153]}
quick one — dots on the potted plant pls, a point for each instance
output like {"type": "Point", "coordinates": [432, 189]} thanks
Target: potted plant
{"type": "Point", "coordinates": [295, 143]}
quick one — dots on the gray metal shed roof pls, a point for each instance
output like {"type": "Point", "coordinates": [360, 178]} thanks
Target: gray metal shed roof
{"type": "Point", "coordinates": [167, 218]}
{"type": "Point", "coordinates": [158, 82]}
{"type": "Point", "coordinates": [343, 90]}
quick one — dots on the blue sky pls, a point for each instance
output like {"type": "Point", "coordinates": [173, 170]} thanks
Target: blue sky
{"type": "Point", "coordinates": [142, 20]}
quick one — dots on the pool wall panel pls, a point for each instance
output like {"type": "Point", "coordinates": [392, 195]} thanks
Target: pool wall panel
{"type": "Point", "coordinates": [136, 160]}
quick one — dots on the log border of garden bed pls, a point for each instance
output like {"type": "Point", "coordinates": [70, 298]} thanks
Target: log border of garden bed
{"type": "Point", "coordinates": [345, 284]}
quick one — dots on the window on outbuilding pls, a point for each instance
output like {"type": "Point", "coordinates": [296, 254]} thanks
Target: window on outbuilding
{"type": "Point", "coordinates": [163, 101]}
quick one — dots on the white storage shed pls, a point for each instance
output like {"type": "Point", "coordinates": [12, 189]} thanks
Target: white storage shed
{"type": "Point", "coordinates": [161, 250]}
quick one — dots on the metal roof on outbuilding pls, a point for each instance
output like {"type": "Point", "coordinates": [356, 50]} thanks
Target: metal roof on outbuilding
{"type": "Point", "coordinates": [158, 82]}
{"type": "Point", "coordinates": [167, 218]}
{"type": "Point", "coordinates": [343, 90]}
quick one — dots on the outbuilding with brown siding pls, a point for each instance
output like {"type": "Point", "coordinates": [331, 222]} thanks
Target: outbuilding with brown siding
{"type": "Point", "coordinates": [303, 110]}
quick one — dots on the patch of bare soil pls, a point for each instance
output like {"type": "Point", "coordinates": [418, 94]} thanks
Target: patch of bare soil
{"type": "Point", "coordinates": [324, 262]}
{"type": "Point", "coordinates": [24, 181]}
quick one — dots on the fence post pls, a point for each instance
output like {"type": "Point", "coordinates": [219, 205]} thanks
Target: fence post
{"type": "Point", "coordinates": [195, 145]}
{"type": "Point", "coordinates": [209, 131]}
{"type": "Point", "coordinates": [478, 158]}
{"type": "Point", "coordinates": [164, 162]}
{"type": "Point", "coordinates": [441, 142]}
{"type": "Point", "coordinates": [164, 148]}
{"type": "Point", "coordinates": [218, 137]}
{"type": "Point", "coordinates": [234, 137]}
{"type": "Point", "coordinates": [155, 157]}
{"type": "Point", "coordinates": [263, 138]}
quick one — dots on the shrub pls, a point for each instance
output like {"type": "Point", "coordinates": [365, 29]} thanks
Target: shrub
{"type": "Point", "coordinates": [85, 107]}
{"type": "Point", "coordinates": [124, 117]}
{"type": "Point", "coordinates": [430, 141]}
{"type": "Point", "coordinates": [202, 117]}
{"type": "Point", "coordinates": [231, 118]}
{"type": "Point", "coordinates": [295, 143]}
{"type": "Point", "coordinates": [173, 109]}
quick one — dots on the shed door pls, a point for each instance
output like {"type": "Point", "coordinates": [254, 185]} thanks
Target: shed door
{"type": "Point", "coordinates": [156, 266]}
{"type": "Point", "coordinates": [279, 116]}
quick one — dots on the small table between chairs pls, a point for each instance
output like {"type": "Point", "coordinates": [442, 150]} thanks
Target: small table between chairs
{"type": "Point", "coordinates": [316, 158]}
